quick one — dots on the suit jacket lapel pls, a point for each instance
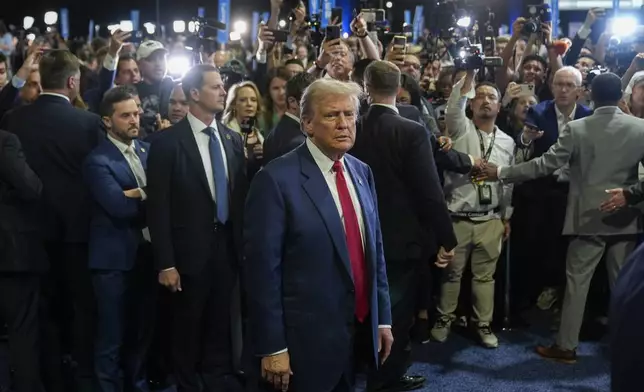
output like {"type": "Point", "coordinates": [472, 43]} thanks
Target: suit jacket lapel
{"type": "Point", "coordinates": [316, 187]}
{"type": "Point", "coordinates": [227, 142]}
{"type": "Point", "coordinates": [120, 161]}
{"type": "Point", "coordinates": [189, 144]}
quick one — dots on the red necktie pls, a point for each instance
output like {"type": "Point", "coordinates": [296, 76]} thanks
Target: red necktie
{"type": "Point", "coordinates": [354, 243]}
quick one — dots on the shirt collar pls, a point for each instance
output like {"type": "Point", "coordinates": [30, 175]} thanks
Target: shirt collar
{"type": "Point", "coordinates": [58, 95]}
{"type": "Point", "coordinates": [561, 115]}
{"type": "Point", "coordinates": [294, 117]}
{"type": "Point", "coordinates": [392, 107]}
{"type": "Point", "coordinates": [119, 144]}
{"type": "Point", "coordinates": [324, 162]}
{"type": "Point", "coordinates": [198, 126]}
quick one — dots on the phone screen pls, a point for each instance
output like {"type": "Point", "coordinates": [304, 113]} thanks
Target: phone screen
{"type": "Point", "coordinates": [332, 32]}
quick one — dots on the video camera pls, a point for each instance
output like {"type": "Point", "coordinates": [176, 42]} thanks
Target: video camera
{"type": "Point", "coordinates": [537, 14]}
{"type": "Point", "coordinates": [472, 57]}
{"type": "Point", "coordinates": [203, 40]}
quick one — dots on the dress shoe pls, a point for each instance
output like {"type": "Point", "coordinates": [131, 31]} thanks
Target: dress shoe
{"type": "Point", "coordinates": [405, 383]}
{"type": "Point", "coordinates": [557, 354]}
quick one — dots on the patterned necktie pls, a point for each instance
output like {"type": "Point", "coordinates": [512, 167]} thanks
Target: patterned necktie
{"type": "Point", "coordinates": [354, 243]}
{"type": "Point", "coordinates": [136, 166]}
{"type": "Point", "coordinates": [219, 173]}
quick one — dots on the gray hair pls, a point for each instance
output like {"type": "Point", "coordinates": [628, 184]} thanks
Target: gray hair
{"type": "Point", "coordinates": [327, 87]}
{"type": "Point", "coordinates": [572, 71]}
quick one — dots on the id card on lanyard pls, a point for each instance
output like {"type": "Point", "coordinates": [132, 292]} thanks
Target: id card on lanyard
{"type": "Point", "coordinates": [485, 190]}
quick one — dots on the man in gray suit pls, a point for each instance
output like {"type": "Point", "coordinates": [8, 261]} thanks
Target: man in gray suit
{"type": "Point", "coordinates": [603, 151]}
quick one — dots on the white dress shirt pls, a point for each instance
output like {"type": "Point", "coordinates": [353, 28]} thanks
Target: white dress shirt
{"type": "Point", "coordinates": [57, 95]}
{"type": "Point", "coordinates": [294, 117]}
{"type": "Point", "coordinates": [203, 145]}
{"type": "Point", "coordinates": [392, 107]}
{"type": "Point", "coordinates": [460, 192]}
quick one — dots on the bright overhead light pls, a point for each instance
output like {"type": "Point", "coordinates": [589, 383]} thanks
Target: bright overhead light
{"type": "Point", "coordinates": [178, 65]}
{"type": "Point", "coordinates": [51, 17]}
{"type": "Point", "coordinates": [179, 26]}
{"type": "Point", "coordinates": [126, 26]}
{"type": "Point", "coordinates": [464, 21]}
{"type": "Point", "coordinates": [345, 35]}
{"type": "Point", "coordinates": [235, 36]}
{"type": "Point", "coordinates": [150, 28]}
{"type": "Point", "coordinates": [28, 22]}
{"type": "Point", "coordinates": [624, 26]}
{"type": "Point", "coordinates": [282, 23]}
{"type": "Point", "coordinates": [389, 4]}
{"type": "Point", "coordinates": [240, 26]}
{"type": "Point", "coordinates": [191, 26]}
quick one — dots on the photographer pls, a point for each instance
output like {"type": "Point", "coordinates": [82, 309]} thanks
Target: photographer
{"type": "Point", "coordinates": [480, 210]}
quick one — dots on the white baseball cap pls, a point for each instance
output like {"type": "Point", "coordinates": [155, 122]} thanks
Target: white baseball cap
{"type": "Point", "coordinates": [147, 48]}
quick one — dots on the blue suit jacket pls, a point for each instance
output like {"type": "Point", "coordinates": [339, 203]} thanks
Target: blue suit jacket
{"type": "Point", "coordinates": [298, 274]}
{"type": "Point", "coordinates": [116, 220]}
{"type": "Point", "coordinates": [626, 325]}
{"type": "Point", "coordinates": [544, 116]}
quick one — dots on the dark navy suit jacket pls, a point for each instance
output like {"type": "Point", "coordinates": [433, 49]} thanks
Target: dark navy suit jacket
{"type": "Point", "coordinates": [544, 116]}
{"type": "Point", "coordinates": [116, 221]}
{"type": "Point", "coordinates": [627, 326]}
{"type": "Point", "coordinates": [298, 274]}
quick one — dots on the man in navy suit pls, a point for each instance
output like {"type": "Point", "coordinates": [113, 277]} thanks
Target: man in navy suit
{"type": "Point", "coordinates": [115, 175]}
{"type": "Point", "coordinates": [197, 187]}
{"type": "Point", "coordinates": [314, 265]}
{"type": "Point", "coordinates": [540, 204]}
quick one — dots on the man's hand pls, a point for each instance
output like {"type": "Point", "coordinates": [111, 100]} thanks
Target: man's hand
{"type": "Point", "coordinates": [445, 143]}
{"type": "Point", "coordinates": [264, 35]}
{"type": "Point", "coordinates": [30, 64]}
{"type": "Point", "coordinates": [276, 370]}
{"type": "Point", "coordinates": [477, 166]}
{"type": "Point", "coordinates": [623, 106]}
{"type": "Point", "coordinates": [116, 42]}
{"type": "Point", "coordinates": [506, 229]}
{"type": "Point", "coordinates": [276, 5]}
{"type": "Point", "coordinates": [444, 257]}
{"type": "Point", "coordinates": [529, 135]}
{"type": "Point", "coordinates": [617, 200]}
{"type": "Point", "coordinates": [467, 83]}
{"type": "Point", "coordinates": [593, 15]}
{"type": "Point", "coordinates": [517, 26]}
{"type": "Point", "coordinates": [546, 33]}
{"type": "Point", "coordinates": [133, 193]}
{"type": "Point", "coordinates": [326, 51]}
{"type": "Point", "coordinates": [638, 62]}
{"type": "Point", "coordinates": [489, 172]}
{"type": "Point", "coordinates": [385, 341]}
{"type": "Point", "coordinates": [359, 26]}
{"type": "Point", "coordinates": [162, 123]}
{"type": "Point", "coordinates": [512, 91]}
{"type": "Point", "coordinates": [170, 279]}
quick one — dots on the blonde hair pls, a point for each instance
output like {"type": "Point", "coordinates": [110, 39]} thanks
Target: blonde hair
{"type": "Point", "coordinates": [326, 87]}
{"type": "Point", "coordinates": [229, 111]}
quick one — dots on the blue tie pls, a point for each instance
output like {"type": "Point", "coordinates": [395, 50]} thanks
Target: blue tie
{"type": "Point", "coordinates": [219, 173]}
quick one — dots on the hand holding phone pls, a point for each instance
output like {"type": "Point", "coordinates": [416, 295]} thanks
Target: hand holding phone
{"type": "Point", "coordinates": [332, 32]}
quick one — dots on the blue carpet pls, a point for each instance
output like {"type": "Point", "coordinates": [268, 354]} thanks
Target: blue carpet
{"type": "Point", "coordinates": [460, 365]}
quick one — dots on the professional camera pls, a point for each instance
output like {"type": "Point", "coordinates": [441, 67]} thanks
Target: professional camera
{"type": "Point", "coordinates": [203, 40]}
{"type": "Point", "coordinates": [537, 14]}
{"type": "Point", "coordinates": [472, 57]}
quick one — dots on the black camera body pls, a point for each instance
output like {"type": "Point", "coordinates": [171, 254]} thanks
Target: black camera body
{"type": "Point", "coordinates": [537, 14]}
{"type": "Point", "coordinates": [593, 73]}
{"type": "Point", "coordinates": [471, 57]}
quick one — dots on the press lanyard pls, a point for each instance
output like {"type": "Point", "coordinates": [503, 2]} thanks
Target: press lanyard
{"type": "Point", "coordinates": [486, 155]}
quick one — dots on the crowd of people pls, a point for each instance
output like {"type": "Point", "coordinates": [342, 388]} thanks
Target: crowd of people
{"type": "Point", "coordinates": [286, 216]}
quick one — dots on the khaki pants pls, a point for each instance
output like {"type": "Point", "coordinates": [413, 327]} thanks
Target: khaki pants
{"type": "Point", "coordinates": [480, 242]}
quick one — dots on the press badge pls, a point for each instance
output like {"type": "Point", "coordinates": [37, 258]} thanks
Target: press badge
{"type": "Point", "coordinates": [485, 194]}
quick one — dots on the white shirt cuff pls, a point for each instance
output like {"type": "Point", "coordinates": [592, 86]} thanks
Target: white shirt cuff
{"type": "Point", "coordinates": [471, 92]}
{"type": "Point", "coordinates": [584, 32]}
{"type": "Point", "coordinates": [472, 161]}
{"type": "Point", "coordinates": [143, 194]}
{"type": "Point", "coordinates": [168, 269]}
{"type": "Point", "coordinates": [110, 62]}
{"type": "Point", "coordinates": [384, 326]}
{"type": "Point", "coordinates": [498, 173]}
{"type": "Point", "coordinates": [276, 353]}
{"type": "Point", "coordinates": [17, 82]}
{"type": "Point", "coordinates": [261, 56]}
{"type": "Point", "coordinates": [525, 144]}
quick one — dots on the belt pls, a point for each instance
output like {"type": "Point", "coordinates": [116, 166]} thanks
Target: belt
{"type": "Point", "coordinates": [475, 214]}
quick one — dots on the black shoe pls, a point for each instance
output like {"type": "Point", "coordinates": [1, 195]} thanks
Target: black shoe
{"type": "Point", "coordinates": [420, 331]}
{"type": "Point", "coordinates": [405, 383]}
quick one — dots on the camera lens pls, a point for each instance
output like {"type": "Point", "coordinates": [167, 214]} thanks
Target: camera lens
{"type": "Point", "coordinates": [530, 28]}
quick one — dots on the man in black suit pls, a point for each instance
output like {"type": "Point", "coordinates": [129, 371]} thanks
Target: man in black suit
{"type": "Point", "coordinates": [56, 138]}
{"type": "Point", "coordinates": [287, 134]}
{"type": "Point", "coordinates": [412, 209]}
{"type": "Point", "coordinates": [22, 261]}
{"type": "Point", "coordinates": [197, 186]}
